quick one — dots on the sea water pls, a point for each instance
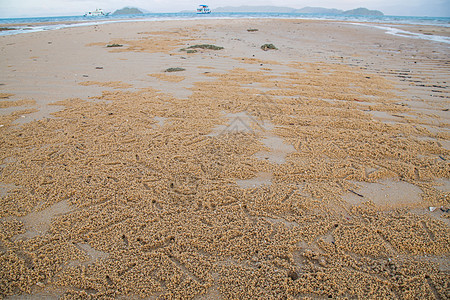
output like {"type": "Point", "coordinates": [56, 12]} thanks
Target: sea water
{"type": "Point", "coordinates": [24, 25]}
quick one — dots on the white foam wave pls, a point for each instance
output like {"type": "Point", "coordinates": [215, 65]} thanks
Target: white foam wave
{"type": "Point", "coordinates": [409, 34]}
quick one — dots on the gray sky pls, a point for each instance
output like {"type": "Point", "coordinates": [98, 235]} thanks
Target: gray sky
{"type": "Point", "coordinates": [27, 8]}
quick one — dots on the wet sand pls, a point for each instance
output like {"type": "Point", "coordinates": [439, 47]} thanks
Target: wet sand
{"type": "Point", "coordinates": [303, 172]}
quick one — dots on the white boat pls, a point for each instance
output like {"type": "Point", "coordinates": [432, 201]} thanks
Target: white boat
{"type": "Point", "coordinates": [203, 9]}
{"type": "Point", "coordinates": [96, 13]}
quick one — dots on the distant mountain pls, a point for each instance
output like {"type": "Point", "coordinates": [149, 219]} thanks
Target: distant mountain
{"type": "Point", "coordinates": [249, 9]}
{"type": "Point", "coordinates": [318, 10]}
{"type": "Point", "coordinates": [363, 12]}
{"type": "Point", "coordinates": [305, 10]}
{"type": "Point", "coordinates": [128, 11]}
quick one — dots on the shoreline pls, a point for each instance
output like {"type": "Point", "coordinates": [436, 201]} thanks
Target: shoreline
{"type": "Point", "coordinates": [418, 31]}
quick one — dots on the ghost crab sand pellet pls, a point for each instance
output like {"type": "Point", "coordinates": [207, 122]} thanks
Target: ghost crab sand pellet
{"type": "Point", "coordinates": [154, 209]}
{"type": "Point", "coordinates": [169, 78]}
{"type": "Point", "coordinates": [112, 84]}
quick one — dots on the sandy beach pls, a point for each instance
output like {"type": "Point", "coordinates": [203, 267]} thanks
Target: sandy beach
{"type": "Point", "coordinates": [319, 169]}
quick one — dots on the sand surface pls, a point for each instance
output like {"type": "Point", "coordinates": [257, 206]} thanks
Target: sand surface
{"type": "Point", "coordinates": [303, 172]}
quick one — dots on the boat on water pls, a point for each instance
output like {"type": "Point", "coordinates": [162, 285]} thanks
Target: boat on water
{"type": "Point", "coordinates": [203, 9]}
{"type": "Point", "coordinates": [96, 13]}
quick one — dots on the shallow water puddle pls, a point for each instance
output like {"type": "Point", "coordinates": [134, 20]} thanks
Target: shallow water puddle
{"type": "Point", "coordinates": [92, 253]}
{"type": "Point", "coordinates": [278, 150]}
{"type": "Point", "coordinates": [385, 117]}
{"type": "Point", "coordinates": [239, 122]}
{"type": "Point", "coordinates": [386, 194]}
{"type": "Point", "coordinates": [5, 188]}
{"type": "Point", "coordinates": [280, 220]}
{"type": "Point", "coordinates": [38, 223]}
{"type": "Point", "coordinates": [443, 184]}
{"type": "Point", "coordinates": [160, 120]}
{"type": "Point", "coordinates": [260, 179]}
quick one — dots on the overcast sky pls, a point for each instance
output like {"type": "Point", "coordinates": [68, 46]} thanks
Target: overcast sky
{"type": "Point", "coordinates": [27, 8]}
